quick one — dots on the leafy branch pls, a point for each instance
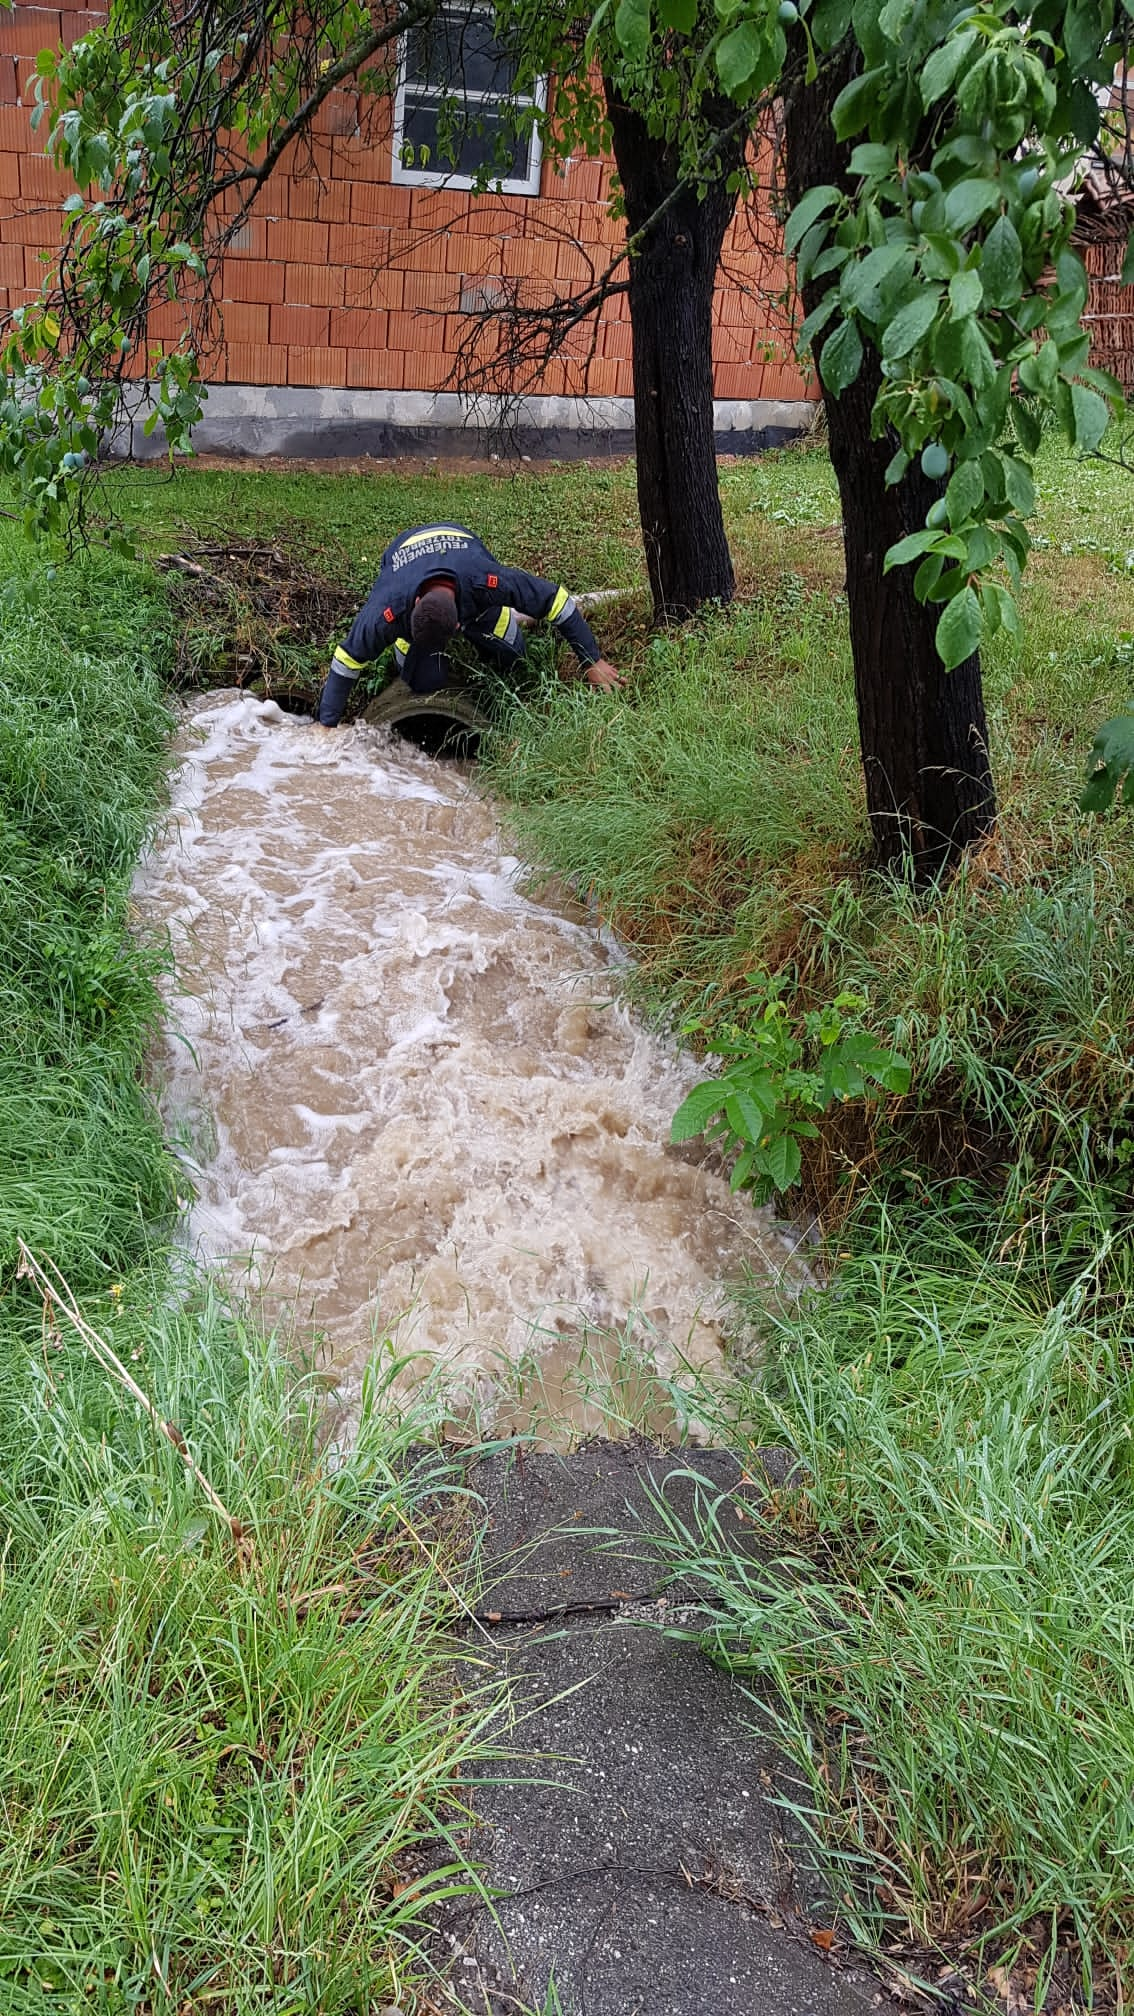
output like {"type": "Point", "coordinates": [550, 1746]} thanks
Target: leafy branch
{"type": "Point", "coordinates": [777, 1076]}
{"type": "Point", "coordinates": [169, 123]}
{"type": "Point", "coordinates": [945, 246]}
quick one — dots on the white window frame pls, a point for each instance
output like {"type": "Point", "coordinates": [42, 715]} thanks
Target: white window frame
{"type": "Point", "coordinates": [434, 178]}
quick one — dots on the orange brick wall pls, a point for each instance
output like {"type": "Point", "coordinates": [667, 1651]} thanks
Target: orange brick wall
{"type": "Point", "coordinates": [343, 278]}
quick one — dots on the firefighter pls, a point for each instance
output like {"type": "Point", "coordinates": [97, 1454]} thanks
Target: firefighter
{"type": "Point", "coordinates": [438, 582]}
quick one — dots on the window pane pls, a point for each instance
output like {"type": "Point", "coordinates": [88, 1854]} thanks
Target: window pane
{"type": "Point", "coordinates": [456, 52]}
{"type": "Point", "coordinates": [460, 139]}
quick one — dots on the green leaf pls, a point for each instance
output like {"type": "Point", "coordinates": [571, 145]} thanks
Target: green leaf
{"type": "Point", "coordinates": [807, 211]}
{"type": "Point", "coordinates": [943, 256]}
{"type": "Point", "coordinates": [830, 21]}
{"type": "Point", "coordinates": [862, 280]}
{"type": "Point", "coordinates": [870, 157]}
{"type": "Point", "coordinates": [1083, 112]}
{"type": "Point", "coordinates": [892, 1072]}
{"type": "Point", "coordinates": [965, 493]}
{"type": "Point", "coordinates": [1090, 416]}
{"type": "Point", "coordinates": [830, 260]}
{"type": "Point", "coordinates": [1039, 371]}
{"type": "Point", "coordinates": [1029, 432]}
{"type": "Point", "coordinates": [841, 358]}
{"type": "Point", "coordinates": [854, 104]}
{"type": "Point", "coordinates": [697, 1109]}
{"type": "Point", "coordinates": [1073, 352]}
{"type": "Point", "coordinates": [739, 56]}
{"type": "Point", "coordinates": [976, 357]}
{"type": "Point", "coordinates": [894, 19]}
{"type": "Point", "coordinates": [678, 14]}
{"type": "Point", "coordinates": [942, 65]}
{"type": "Point", "coordinates": [1018, 485]}
{"type": "Point", "coordinates": [632, 26]}
{"type": "Point", "coordinates": [781, 1161]}
{"type": "Point", "coordinates": [746, 1119]}
{"type": "Point", "coordinates": [810, 249]}
{"type": "Point", "coordinates": [909, 548]}
{"type": "Point", "coordinates": [1072, 276]}
{"type": "Point", "coordinates": [910, 323]}
{"type": "Point", "coordinates": [928, 575]}
{"type": "Point", "coordinates": [1111, 760]}
{"type": "Point", "coordinates": [958, 630]}
{"type": "Point", "coordinates": [840, 1081]}
{"type": "Point", "coordinates": [966, 292]}
{"type": "Point", "coordinates": [1000, 265]}
{"type": "Point", "coordinates": [1082, 36]}
{"type": "Point", "coordinates": [1103, 381]}
{"type": "Point", "coordinates": [861, 1057]}
{"type": "Point", "coordinates": [1008, 616]}
{"type": "Point", "coordinates": [817, 320]}
{"type": "Point", "coordinates": [970, 200]}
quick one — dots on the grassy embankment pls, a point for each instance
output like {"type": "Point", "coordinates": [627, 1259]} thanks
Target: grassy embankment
{"type": "Point", "coordinates": [958, 1621]}
{"type": "Point", "coordinates": [212, 1754]}
{"type": "Point", "coordinates": [958, 1617]}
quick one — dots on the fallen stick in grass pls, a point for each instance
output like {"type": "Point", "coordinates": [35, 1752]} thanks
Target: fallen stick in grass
{"type": "Point", "coordinates": [59, 1295]}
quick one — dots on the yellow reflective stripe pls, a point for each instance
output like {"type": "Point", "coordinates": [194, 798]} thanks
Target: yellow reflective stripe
{"type": "Point", "coordinates": [500, 627]}
{"type": "Point", "coordinates": [559, 605]}
{"type": "Point", "coordinates": [344, 658]}
{"type": "Point", "coordinates": [430, 532]}
{"type": "Point", "coordinates": [401, 645]}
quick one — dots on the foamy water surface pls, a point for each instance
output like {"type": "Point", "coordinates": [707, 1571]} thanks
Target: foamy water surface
{"type": "Point", "coordinates": [408, 1097]}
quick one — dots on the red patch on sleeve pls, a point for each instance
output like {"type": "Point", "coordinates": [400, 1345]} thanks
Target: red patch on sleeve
{"type": "Point", "coordinates": [493, 581]}
{"type": "Point", "coordinates": [388, 614]}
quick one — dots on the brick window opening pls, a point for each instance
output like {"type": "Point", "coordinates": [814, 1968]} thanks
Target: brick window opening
{"type": "Point", "coordinates": [457, 117]}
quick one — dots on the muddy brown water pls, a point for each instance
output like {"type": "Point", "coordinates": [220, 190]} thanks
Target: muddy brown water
{"type": "Point", "coordinates": [414, 1111]}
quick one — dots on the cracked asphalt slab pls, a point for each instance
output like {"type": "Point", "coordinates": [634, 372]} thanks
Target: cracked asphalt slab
{"type": "Point", "coordinates": [632, 1846]}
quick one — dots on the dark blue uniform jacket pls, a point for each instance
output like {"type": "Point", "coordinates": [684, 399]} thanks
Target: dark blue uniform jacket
{"type": "Point", "coordinates": [485, 590]}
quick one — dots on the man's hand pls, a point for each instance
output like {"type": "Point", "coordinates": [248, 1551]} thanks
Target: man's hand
{"type": "Point", "coordinates": [603, 674]}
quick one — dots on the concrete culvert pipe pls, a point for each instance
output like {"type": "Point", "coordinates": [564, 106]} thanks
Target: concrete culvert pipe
{"type": "Point", "coordinates": [448, 723]}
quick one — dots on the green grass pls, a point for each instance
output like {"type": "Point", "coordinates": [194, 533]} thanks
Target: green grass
{"type": "Point", "coordinates": [946, 1643]}
{"type": "Point", "coordinates": [732, 778]}
{"type": "Point", "coordinates": [571, 520]}
{"type": "Point", "coordinates": [941, 1628]}
{"type": "Point", "coordinates": [214, 1759]}
{"type": "Point", "coordinates": [83, 728]}
{"type": "Point", "coordinates": [678, 809]}
{"type": "Point", "coordinates": [212, 1769]}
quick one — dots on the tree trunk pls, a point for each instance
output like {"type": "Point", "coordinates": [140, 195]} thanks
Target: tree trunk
{"type": "Point", "coordinates": [924, 737]}
{"type": "Point", "coordinates": [671, 319]}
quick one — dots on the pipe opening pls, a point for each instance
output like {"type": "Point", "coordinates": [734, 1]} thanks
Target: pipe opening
{"type": "Point", "coordinates": [440, 735]}
{"type": "Point", "coordinates": [447, 724]}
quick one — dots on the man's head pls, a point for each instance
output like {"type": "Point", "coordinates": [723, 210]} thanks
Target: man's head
{"type": "Point", "coordinates": [435, 620]}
